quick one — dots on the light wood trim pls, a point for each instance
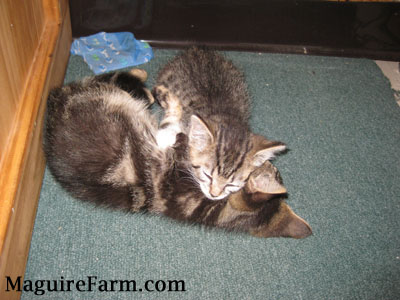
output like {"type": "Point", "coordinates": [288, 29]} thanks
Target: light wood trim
{"type": "Point", "coordinates": [22, 169]}
{"type": "Point", "coordinates": [21, 25]}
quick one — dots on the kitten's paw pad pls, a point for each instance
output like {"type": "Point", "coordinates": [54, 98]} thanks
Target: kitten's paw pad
{"type": "Point", "coordinates": [161, 94]}
{"type": "Point", "coordinates": [139, 73]}
{"type": "Point", "coordinates": [166, 137]}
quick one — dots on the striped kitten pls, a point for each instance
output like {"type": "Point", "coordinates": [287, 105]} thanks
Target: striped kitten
{"type": "Point", "coordinates": [207, 99]}
{"type": "Point", "coordinates": [258, 208]}
{"type": "Point", "coordinates": [99, 140]}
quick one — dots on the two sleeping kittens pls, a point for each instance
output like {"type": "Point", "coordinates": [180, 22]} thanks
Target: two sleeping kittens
{"type": "Point", "coordinates": [102, 145]}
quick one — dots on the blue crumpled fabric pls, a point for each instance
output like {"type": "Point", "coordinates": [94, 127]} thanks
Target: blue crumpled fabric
{"type": "Point", "coordinates": [105, 52]}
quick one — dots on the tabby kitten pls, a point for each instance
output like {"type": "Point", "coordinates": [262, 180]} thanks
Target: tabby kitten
{"type": "Point", "coordinates": [258, 208]}
{"type": "Point", "coordinates": [99, 140]}
{"type": "Point", "coordinates": [209, 102]}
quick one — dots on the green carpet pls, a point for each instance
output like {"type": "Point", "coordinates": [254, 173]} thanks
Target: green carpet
{"type": "Point", "coordinates": [342, 125]}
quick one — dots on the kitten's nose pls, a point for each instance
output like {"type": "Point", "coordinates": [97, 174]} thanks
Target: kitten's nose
{"type": "Point", "coordinates": [215, 196]}
{"type": "Point", "coordinates": [215, 191]}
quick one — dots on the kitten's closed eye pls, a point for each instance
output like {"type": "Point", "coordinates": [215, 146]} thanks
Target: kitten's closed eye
{"type": "Point", "coordinates": [207, 175]}
{"type": "Point", "coordinates": [231, 185]}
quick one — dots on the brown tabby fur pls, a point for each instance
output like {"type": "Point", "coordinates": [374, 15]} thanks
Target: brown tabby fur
{"type": "Point", "coordinates": [258, 209]}
{"type": "Point", "coordinates": [99, 140]}
{"type": "Point", "coordinates": [208, 100]}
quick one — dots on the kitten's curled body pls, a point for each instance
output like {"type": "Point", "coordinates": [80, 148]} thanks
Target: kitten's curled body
{"type": "Point", "coordinates": [214, 102]}
{"type": "Point", "coordinates": [99, 140]}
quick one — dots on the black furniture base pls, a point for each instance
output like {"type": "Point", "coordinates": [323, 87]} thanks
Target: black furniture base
{"type": "Point", "coordinates": [352, 29]}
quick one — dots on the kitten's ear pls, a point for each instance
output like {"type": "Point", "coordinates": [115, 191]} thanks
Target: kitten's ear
{"type": "Point", "coordinates": [266, 150]}
{"type": "Point", "coordinates": [294, 226]}
{"type": "Point", "coordinates": [265, 185]}
{"type": "Point", "coordinates": [199, 135]}
{"type": "Point", "coordinates": [284, 223]}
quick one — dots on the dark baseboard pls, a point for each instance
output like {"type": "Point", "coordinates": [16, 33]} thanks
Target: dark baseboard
{"type": "Point", "coordinates": [352, 29]}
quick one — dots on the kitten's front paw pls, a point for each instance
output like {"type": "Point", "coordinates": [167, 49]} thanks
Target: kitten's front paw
{"type": "Point", "coordinates": [166, 137]}
{"type": "Point", "coordinates": [139, 73]}
{"type": "Point", "coordinates": [149, 96]}
{"type": "Point", "coordinates": [161, 94]}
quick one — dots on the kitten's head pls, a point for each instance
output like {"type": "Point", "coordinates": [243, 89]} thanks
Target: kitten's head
{"type": "Point", "coordinates": [264, 194]}
{"type": "Point", "coordinates": [223, 158]}
{"type": "Point", "coordinates": [264, 184]}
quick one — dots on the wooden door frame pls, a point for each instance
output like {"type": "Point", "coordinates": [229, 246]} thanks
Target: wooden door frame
{"type": "Point", "coordinates": [22, 162]}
